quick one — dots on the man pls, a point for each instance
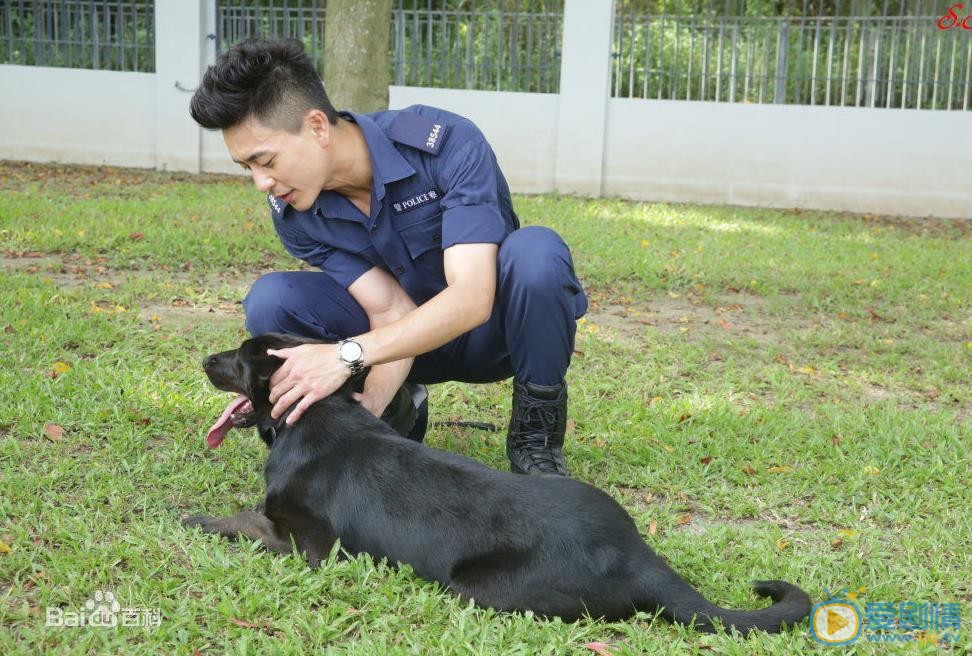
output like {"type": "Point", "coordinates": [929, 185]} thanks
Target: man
{"type": "Point", "coordinates": [426, 275]}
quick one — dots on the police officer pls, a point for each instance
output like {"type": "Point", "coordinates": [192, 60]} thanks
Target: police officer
{"type": "Point", "coordinates": [426, 275]}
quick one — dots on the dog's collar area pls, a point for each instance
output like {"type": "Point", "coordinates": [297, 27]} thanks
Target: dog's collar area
{"type": "Point", "coordinates": [279, 423]}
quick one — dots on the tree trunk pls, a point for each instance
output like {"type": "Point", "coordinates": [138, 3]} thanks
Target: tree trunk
{"type": "Point", "coordinates": [356, 35]}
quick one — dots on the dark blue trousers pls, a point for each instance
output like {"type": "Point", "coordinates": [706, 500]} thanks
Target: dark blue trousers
{"type": "Point", "coordinates": [529, 335]}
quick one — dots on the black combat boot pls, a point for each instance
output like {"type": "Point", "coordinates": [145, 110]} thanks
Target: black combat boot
{"type": "Point", "coordinates": [536, 438]}
{"type": "Point", "coordinates": [420, 400]}
{"type": "Point", "coordinates": [408, 412]}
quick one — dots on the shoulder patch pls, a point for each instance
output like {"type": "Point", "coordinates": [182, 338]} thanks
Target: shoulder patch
{"type": "Point", "coordinates": [277, 206]}
{"type": "Point", "coordinates": [418, 131]}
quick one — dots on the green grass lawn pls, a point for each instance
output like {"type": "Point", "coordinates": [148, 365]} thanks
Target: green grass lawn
{"type": "Point", "coordinates": [771, 394]}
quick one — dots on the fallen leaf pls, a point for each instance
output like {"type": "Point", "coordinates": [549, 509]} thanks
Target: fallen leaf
{"type": "Point", "coordinates": [135, 236]}
{"type": "Point", "coordinates": [725, 324]}
{"type": "Point", "coordinates": [684, 416]}
{"type": "Point", "coordinates": [684, 519]}
{"type": "Point", "coordinates": [265, 627]}
{"type": "Point", "coordinates": [872, 470]}
{"type": "Point", "coordinates": [4, 547]}
{"type": "Point", "coordinates": [104, 285]}
{"type": "Point", "coordinates": [60, 368]}
{"type": "Point", "coordinates": [599, 648]}
{"type": "Point", "coordinates": [780, 469]}
{"type": "Point", "coordinates": [653, 528]}
{"type": "Point", "coordinates": [835, 438]}
{"type": "Point", "coordinates": [847, 532]}
{"type": "Point", "coordinates": [782, 544]}
{"type": "Point", "coordinates": [706, 460]}
{"type": "Point", "coordinates": [246, 625]}
{"type": "Point", "coordinates": [53, 432]}
{"type": "Point", "coordinates": [836, 543]}
{"type": "Point", "coordinates": [749, 469]}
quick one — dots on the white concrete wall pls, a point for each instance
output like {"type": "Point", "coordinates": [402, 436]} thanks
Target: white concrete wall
{"type": "Point", "coordinates": [77, 116]}
{"type": "Point", "coordinates": [907, 162]}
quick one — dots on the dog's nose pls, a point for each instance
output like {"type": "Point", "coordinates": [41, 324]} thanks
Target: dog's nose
{"type": "Point", "coordinates": [208, 361]}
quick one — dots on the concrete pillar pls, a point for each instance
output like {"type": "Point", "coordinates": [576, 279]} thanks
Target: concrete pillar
{"type": "Point", "coordinates": [181, 52]}
{"type": "Point", "coordinates": [585, 86]}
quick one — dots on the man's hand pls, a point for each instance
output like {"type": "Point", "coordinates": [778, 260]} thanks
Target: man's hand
{"type": "Point", "coordinates": [374, 402]}
{"type": "Point", "coordinates": [310, 372]}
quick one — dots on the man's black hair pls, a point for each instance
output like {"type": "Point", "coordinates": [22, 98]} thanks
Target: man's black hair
{"type": "Point", "coordinates": [272, 81]}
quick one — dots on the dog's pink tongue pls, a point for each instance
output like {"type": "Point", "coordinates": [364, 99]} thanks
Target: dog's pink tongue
{"type": "Point", "coordinates": [223, 425]}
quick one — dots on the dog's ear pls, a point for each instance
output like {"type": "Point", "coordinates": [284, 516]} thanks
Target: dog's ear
{"type": "Point", "coordinates": [257, 367]}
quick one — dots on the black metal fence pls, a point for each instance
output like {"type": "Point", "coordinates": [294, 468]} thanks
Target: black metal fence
{"type": "Point", "coordinates": [504, 45]}
{"type": "Point", "coordinates": [863, 54]}
{"type": "Point", "coordinates": [882, 53]}
{"type": "Point", "coordinates": [114, 35]}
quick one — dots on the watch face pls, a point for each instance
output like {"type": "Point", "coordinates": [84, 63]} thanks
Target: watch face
{"type": "Point", "coordinates": [350, 351]}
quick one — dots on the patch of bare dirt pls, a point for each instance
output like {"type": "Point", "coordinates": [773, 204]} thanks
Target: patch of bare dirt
{"type": "Point", "coordinates": [733, 315]}
{"type": "Point", "coordinates": [186, 316]}
{"type": "Point", "coordinates": [76, 180]}
{"type": "Point", "coordinates": [69, 271]}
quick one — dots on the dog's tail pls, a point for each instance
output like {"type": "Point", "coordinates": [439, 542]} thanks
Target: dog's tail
{"type": "Point", "coordinates": [682, 603]}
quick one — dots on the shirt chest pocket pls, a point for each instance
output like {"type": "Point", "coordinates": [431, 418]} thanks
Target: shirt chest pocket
{"type": "Point", "coordinates": [422, 237]}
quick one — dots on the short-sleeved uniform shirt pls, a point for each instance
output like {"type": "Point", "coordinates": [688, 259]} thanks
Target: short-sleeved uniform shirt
{"type": "Point", "coordinates": [436, 183]}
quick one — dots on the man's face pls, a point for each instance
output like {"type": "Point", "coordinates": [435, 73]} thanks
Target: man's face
{"type": "Point", "coordinates": [292, 167]}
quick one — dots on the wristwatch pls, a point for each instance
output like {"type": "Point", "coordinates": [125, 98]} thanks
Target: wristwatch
{"type": "Point", "coordinates": [351, 354]}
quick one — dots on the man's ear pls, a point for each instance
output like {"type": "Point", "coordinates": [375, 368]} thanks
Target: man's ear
{"type": "Point", "coordinates": [315, 122]}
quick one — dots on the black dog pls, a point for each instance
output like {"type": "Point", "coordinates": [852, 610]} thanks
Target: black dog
{"type": "Point", "coordinates": [552, 545]}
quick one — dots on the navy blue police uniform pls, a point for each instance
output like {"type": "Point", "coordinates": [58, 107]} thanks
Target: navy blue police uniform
{"type": "Point", "coordinates": [436, 183]}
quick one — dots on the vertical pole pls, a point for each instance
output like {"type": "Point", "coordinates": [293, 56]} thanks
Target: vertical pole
{"type": "Point", "coordinates": [181, 52]}
{"type": "Point", "coordinates": [585, 86]}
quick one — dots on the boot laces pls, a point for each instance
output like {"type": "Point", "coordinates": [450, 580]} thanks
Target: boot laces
{"type": "Point", "coordinates": [537, 419]}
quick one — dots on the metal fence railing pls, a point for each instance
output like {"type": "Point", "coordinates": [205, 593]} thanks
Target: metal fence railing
{"type": "Point", "coordinates": [719, 52]}
{"type": "Point", "coordinates": [116, 35]}
{"type": "Point", "coordinates": [503, 46]}
{"type": "Point", "coordinates": [861, 53]}
{"type": "Point", "coordinates": [508, 45]}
